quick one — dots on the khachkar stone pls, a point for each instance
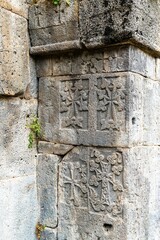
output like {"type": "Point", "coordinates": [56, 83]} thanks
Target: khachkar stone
{"type": "Point", "coordinates": [91, 109]}
{"type": "Point", "coordinates": [91, 192]}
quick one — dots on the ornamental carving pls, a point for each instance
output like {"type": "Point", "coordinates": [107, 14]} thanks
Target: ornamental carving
{"type": "Point", "coordinates": [94, 181]}
{"type": "Point", "coordinates": [74, 104]}
{"type": "Point", "coordinates": [111, 101]}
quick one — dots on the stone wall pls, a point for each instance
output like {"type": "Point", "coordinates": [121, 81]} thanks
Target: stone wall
{"type": "Point", "coordinates": [98, 71]}
{"type": "Point", "coordinates": [94, 67]}
{"type": "Point", "coordinates": [18, 93]}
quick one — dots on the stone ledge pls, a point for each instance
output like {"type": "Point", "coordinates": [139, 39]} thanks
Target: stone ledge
{"type": "Point", "coordinates": [136, 40]}
{"type": "Point", "coordinates": [55, 47]}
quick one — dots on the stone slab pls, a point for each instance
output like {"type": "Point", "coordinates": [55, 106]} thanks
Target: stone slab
{"type": "Point", "coordinates": [76, 110]}
{"type": "Point", "coordinates": [16, 159]}
{"type": "Point", "coordinates": [117, 21]}
{"type": "Point", "coordinates": [122, 58]}
{"type": "Point", "coordinates": [129, 58]}
{"type": "Point", "coordinates": [151, 118]}
{"type": "Point", "coordinates": [14, 54]}
{"type": "Point", "coordinates": [87, 190]}
{"type": "Point", "coordinates": [58, 47]}
{"type": "Point", "coordinates": [97, 24]}
{"type": "Point", "coordinates": [53, 148]}
{"type": "Point", "coordinates": [90, 195]}
{"type": "Point", "coordinates": [18, 208]}
{"type": "Point", "coordinates": [47, 172]}
{"type": "Point", "coordinates": [53, 24]}
{"type": "Point", "coordinates": [142, 199]}
{"type": "Point", "coordinates": [19, 7]}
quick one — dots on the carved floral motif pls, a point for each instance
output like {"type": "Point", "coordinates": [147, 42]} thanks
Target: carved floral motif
{"type": "Point", "coordinates": [98, 180]}
{"type": "Point", "coordinates": [74, 100]}
{"type": "Point", "coordinates": [111, 99]}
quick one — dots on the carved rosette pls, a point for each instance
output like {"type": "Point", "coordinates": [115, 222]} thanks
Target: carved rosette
{"type": "Point", "coordinates": [95, 182]}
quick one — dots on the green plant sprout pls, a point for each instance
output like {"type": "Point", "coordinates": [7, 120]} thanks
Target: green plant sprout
{"type": "Point", "coordinates": [35, 131]}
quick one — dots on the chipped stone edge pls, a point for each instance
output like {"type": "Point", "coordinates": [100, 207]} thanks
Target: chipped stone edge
{"type": "Point", "coordinates": [54, 148]}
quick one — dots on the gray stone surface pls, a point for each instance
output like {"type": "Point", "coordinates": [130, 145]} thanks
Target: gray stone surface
{"type": "Point", "coordinates": [105, 102]}
{"type": "Point", "coordinates": [92, 178]}
{"type": "Point", "coordinates": [53, 148]}
{"type": "Point", "coordinates": [47, 173]}
{"type": "Point", "coordinates": [14, 54]}
{"type": "Point", "coordinates": [16, 159]}
{"type": "Point", "coordinates": [18, 193]}
{"type": "Point", "coordinates": [77, 110]}
{"type": "Point", "coordinates": [19, 7]}
{"type": "Point", "coordinates": [91, 189]}
{"type": "Point", "coordinates": [18, 208]}
{"type": "Point", "coordinates": [122, 58]}
{"type": "Point", "coordinates": [49, 234]}
{"type": "Point", "coordinates": [57, 23]}
{"type": "Point", "coordinates": [142, 198]}
{"type": "Point", "coordinates": [106, 22]}
{"type": "Point", "coordinates": [129, 58]}
{"type": "Point", "coordinates": [96, 23]}
{"type": "Point", "coordinates": [56, 48]}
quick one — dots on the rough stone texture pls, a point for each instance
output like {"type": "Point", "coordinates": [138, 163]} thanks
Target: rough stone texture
{"type": "Point", "coordinates": [19, 7]}
{"type": "Point", "coordinates": [53, 148]}
{"type": "Point", "coordinates": [105, 193]}
{"type": "Point", "coordinates": [18, 208]}
{"type": "Point", "coordinates": [14, 54]}
{"type": "Point", "coordinates": [92, 120]}
{"type": "Point", "coordinates": [16, 159]}
{"type": "Point", "coordinates": [97, 23]}
{"type": "Point", "coordinates": [57, 23]}
{"type": "Point", "coordinates": [18, 194]}
{"type": "Point", "coordinates": [115, 21]}
{"type": "Point", "coordinates": [91, 187]}
{"type": "Point", "coordinates": [110, 100]}
{"type": "Point", "coordinates": [112, 59]}
{"type": "Point", "coordinates": [143, 188]}
{"type": "Point", "coordinates": [47, 172]}
{"type": "Point", "coordinates": [105, 102]}
{"type": "Point", "coordinates": [49, 234]}
{"type": "Point", "coordinates": [90, 181]}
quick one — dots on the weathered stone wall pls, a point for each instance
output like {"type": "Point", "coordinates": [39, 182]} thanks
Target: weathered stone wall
{"type": "Point", "coordinates": [98, 71]}
{"type": "Point", "coordinates": [18, 93]}
{"type": "Point", "coordinates": [98, 171]}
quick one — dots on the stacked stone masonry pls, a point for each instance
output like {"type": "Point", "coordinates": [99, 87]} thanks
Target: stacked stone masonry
{"type": "Point", "coordinates": [100, 102]}
{"type": "Point", "coordinates": [97, 67]}
{"type": "Point", "coordinates": [18, 103]}
{"type": "Point", "coordinates": [98, 165]}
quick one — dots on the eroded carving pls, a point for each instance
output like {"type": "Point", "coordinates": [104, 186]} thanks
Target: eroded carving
{"type": "Point", "coordinates": [111, 100]}
{"type": "Point", "coordinates": [94, 181]}
{"type": "Point", "coordinates": [74, 104]}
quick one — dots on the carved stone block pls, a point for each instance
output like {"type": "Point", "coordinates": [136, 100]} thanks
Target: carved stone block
{"type": "Point", "coordinates": [90, 194]}
{"type": "Point", "coordinates": [91, 109]}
